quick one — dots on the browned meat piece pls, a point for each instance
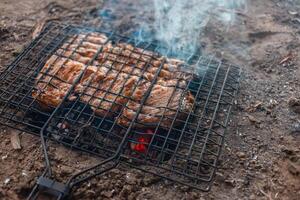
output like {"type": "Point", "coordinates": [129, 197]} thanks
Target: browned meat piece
{"type": "Point", "coordinates": [105, 91]}
{"type": "Point", "coordinates": [95, 38]}
{"type": "Point", "coordinates": [116, 82]}
{"type": "Point", "coordinates": [161, 104]}
{"type": "Point", "coordinates": [122, 57]}
{"type": "Point", "coordinates": [135, 61]}
{"type": "Point", "coordinates": [55, 80]}
{"type": "Point", "coordinates": [82, 48]}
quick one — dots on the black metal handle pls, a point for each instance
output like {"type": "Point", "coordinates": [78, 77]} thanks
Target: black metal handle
{"type": "Point", "coordinates": [50, 188]}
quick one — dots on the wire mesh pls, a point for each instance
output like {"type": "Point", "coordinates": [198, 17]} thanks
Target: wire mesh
{"type": "Point", "coordinates": [113, 96]}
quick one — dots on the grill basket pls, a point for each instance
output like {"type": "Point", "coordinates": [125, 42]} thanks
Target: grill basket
{"type": "Point", "coordinates": [187, 153]}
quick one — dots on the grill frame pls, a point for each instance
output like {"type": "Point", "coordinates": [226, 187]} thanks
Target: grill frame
{"type": "Point", "coordinates": [216, 128]}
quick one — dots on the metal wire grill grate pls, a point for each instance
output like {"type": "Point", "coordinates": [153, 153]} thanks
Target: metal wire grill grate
{"type": "Point", "coordinates": [189, 154]}
{"type": "Point", "coordinates": [94, 110]}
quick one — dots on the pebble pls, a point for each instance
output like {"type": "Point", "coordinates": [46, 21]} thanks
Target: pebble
{"type": "Point", "coordinates": [4, 157]}
{"type": "Point", "coordinates": [66, 170]}
{"type": "Point", "coordinates": [194, 195]}
{"type": "Point", "coordinates": [254, 120]}
{"type": "Point", "coordinates": [291, 12]}
{"type": "Point", "coordinates": [230, 182]}
{"type": "Point", "coordinates": [130, 178]}
{"type": "Point", "coordinates": [108, 194]}
{"type": "Point", "coordinates": [115, 172]}
{"type": "Point", "coordinates": [24, 173]}
{"type": "Point", "coordinates": [220, 177]}
{"type": "Point", "coordinates": [294, 104]}
{"type": "Point", "coordinates": [6, 181]}
{"type": "Point", "coordinates": [241, 155]}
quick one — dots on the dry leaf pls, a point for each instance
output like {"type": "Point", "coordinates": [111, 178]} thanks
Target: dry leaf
{"type": "Point", "coordinates": [15, 140]}
{"type": "Point", "coordinates": [286, 58]}
{"type": "Point", "coordinates": [253, 108]}
{"type": "Point", "coordinates": [40, 25]}
{"type": "Point", "coordinates": [38, 28]}
{"type": "Point", "coordinates": [253, 119]}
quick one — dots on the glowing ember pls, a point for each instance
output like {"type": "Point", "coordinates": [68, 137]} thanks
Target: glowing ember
{"type": "Point", "coordinates": [143, 142]}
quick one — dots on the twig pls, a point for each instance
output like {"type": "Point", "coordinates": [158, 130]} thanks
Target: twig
{"type": "Point", "coordinates": [268, 195]}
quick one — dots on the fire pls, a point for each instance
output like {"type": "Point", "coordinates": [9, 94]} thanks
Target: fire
{"type": "Point", "coordinates": [142, 142]}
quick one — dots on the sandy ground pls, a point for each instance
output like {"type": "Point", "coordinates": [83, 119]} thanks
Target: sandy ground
{"type": "Point", "coordinates": [261, 158]}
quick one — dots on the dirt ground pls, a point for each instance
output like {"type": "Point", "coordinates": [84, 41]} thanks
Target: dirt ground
{"type": "Point", "coordinates": [261, 158]}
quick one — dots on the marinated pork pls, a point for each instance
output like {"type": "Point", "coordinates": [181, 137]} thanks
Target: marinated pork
{"type": "Point", "coordinates": [164, 103]}
{"type": "Point", "coordinates": [114, 80]}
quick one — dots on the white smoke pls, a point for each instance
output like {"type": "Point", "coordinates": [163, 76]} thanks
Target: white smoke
{"type": "Point", "coordinates": [178, 23]}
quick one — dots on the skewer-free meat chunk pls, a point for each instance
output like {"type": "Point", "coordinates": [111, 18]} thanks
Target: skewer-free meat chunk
{"type": "Point", "coordinates": [164, 104]}
{"type": "Point", "coordinates": [55, 80]}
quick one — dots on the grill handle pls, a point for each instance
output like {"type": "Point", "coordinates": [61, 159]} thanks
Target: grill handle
{"type": "Point", "coordinates": [50, 188]}
{"type": "Point", "coordinates": [58, 191]}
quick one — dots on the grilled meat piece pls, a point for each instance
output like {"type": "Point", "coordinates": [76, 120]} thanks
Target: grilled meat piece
{"type": "Point", "coordinates": [122, 57]}
{"type": "Point", "coordinates": [61, 70]}
{"type": "Point", "coordinates": [105, 90]}
{"type": "Point", "coordinates": [167, 101]}
{"type": "Point", "coordinates": [82, 47]}
{"type": "Point", "coordinates": [141, 63]}
{"type": "Point", "coordinates": [55, 80]}
{"type": "Point", "coordinates": [117, 80]}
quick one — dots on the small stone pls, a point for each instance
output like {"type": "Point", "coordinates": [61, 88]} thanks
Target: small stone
{"type": "Point", "coordinates": [115, 171]}
{"type": "Point", "coordinates": [272, 104]}
{"type": "Point", "coordinates": [291, 12]}
{"type": "Point", "coordinates": [254, 120]}
{"type": "Point", "coordinates": [24, 173]}
{"type": "Point", "coordinates": [107, 194]}
{"type": "Point", "coordinates": [230, 182]}
{"type": "Point", "coordinates": [294, 104]}
{"type": "Point", "coordinates": [241, 155]}
{"type": "Point", "coordinates": [15, 140]}
{"type": "Point", "coordinates": [6, 181]}
{"type": "Point", "coordinates": [130, 178]}
{"type": "Point", "coordinates": [220, 177]}
{"type": "Point", "coordinates": [252, 197]}
{"type": "Point", "coordinates": [66, 170]}
{"type": "Point", "coordinates": [4, 157]}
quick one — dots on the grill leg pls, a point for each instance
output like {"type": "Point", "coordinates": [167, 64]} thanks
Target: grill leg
{"type": "Point", "coordinates": [50, 188]}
